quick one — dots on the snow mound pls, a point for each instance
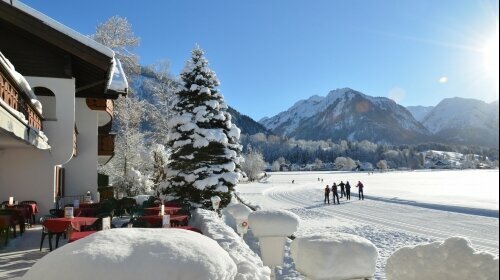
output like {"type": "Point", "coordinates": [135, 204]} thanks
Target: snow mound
{"type": "Point", "coordinates": [249, 264]}
{"type": "Point", "coordinates": [273, 223]}
{"type": "Point", "coordinates": [452, 259]}
{"type": "Point", "coordinates": [139, 199]}
{"type": "Point", "coordinates": [238, 211]}
{"type": "Point", "coordinates": [134, 253]}
{"type": "Point", "coordinates": [334, 256]}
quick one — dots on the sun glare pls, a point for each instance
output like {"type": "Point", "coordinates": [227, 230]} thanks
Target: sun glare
{"type": "Point", "coordinates": [490, 57]}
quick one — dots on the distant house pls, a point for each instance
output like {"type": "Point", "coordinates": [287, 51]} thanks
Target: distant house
{"type": "Point", "coordinates": [52, 136]}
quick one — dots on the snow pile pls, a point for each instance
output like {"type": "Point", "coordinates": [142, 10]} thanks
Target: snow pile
{"type": "Point", "coordinates": [334, 256]}
{"type": "Point", "coordinates": [249, 265]}
{"type": "Point", "coordinates": [452, 259]}
{"type": "Point", "coordinates": [238, 211]}
{"type": "Point", "coordinates": [273, 223]}
{"type": "Point", "coordinates": [139, 199]}
{"type": "Point", "coordinates": [134, 253]}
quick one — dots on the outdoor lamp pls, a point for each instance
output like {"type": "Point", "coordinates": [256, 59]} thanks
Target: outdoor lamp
{"type": "Point", "coordinates": [215, 202]}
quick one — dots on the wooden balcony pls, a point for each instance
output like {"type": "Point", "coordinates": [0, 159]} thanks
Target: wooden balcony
{"type": "Point", "coordinates": [18, 100]}
{"type": "Point", "coordinates": [103, 105]}
{"type": "Point", "coordinates": [106, 145]}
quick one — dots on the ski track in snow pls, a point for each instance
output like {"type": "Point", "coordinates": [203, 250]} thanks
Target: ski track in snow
{"type": "Point", "coordinates": [389, 226]}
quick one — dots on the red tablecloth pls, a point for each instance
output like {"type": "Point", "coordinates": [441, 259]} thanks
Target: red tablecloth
{"type": "Point", "coordinates": [61, 224]}
{"type": "Point", "coordinates": [22, 211]}
{"type": "Point", "coordinates": [157, 221]}
{"type": "Point", "coordinates": [151, 211]}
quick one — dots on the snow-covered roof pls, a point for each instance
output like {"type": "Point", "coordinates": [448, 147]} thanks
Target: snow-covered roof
{"type": "Point", "coordinates": [62, 28]}
{"type": "Point", "coordinates": [118, 81]}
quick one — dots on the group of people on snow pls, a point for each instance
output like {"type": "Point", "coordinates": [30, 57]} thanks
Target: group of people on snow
{"type": "Point", "coordinates": [345, 190]}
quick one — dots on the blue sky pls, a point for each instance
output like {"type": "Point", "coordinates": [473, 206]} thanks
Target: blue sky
{"type": "Point", "coordinates": [268, 54]}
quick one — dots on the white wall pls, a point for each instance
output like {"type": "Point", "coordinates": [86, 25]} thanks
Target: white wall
{"type": "Point", "coordinates": [28, 174]}
{"type": "Point", "coordinates": [81, 171]}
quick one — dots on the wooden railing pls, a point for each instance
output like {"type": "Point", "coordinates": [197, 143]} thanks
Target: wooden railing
{"type": "Point", "coordinates": [101, 105]}
{"type": "Point", "coordinates": [18, 100]}
{"type": "Point", "coordinates": [106, 144]}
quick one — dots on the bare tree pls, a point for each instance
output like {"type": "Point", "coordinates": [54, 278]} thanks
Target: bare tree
{"type": "Point", "coordinates": [253, 165]}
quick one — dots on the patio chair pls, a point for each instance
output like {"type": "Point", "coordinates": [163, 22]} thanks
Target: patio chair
{"type": "Point", "coordinates": [29, 202]}
{"type": "Point", "coordinates": [16, 218]}
{"type": "Point", "coordinates": [127, 206]}
{"type": "Point", "coordinates": [5, 225]}
{"type": "Point", "coordinates": [58, 213]}
{"type": "Point", "coordinates": [50, 234]}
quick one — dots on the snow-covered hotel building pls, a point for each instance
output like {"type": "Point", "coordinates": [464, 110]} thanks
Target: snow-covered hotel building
{"type": "Point", "coordinates": [56, 108]}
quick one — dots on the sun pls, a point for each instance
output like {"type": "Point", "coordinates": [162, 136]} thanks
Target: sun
{"type": "Point", "coordinates": [490, 56]}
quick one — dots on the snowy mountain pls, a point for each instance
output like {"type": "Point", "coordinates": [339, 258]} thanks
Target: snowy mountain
{"type": "Point", "coordinates": [348, 114]}
{"type": "Point", "coordinates": [464, 121]}
{"type": "Point", "coordinates": [246, 124]}
{"type": "Point", "coordinates": [419, 112]}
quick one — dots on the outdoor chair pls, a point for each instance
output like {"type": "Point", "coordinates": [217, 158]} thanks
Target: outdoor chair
{"type": "Point", "coordinates": [29, 202]}
{"type": "Point", "coordinates": [50, 233]}
{"type": "Point", "coordinates": [107, 207]}
{"type": "Point", "coordinates": [16, 219]}
{"type": "Point", "coordinates": [127, 206]}
{"type": "Point", "coordinates": [58, 213]}
{"type": "Point", "coordinates": [5, 225]}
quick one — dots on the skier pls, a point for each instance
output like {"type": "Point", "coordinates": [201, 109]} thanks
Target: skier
{"type": "Point", "coordinates": [342, 189]}
{"type": "Point", "coordinates": [360, 187]}
{"type": "Point", "coordinates": [335, 193]}
{"type": "Point", "coordinates": [348, 190]}
{"type": "Point", "coordinates": [327, 194]}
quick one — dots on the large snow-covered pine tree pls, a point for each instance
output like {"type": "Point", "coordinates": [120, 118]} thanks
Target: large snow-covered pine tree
{"type": "Point", "coordinates": [204, 141]}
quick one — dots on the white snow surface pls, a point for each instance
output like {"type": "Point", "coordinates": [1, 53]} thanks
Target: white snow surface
{"type": "Point", "coordinates": [452, 259]}
{"type": "Point", "coordinates": [249, 265]}
{"type": "Point", "coordinates": [334, 256]}
{"type": "Point", "coordinates": [400, 208]}
{"type": "Point", "coordinates": [133, 253]}
{"type": "Point", "coordinates": [118, 81]}
{"type": "Point", "coordinates": [238, 211]}
{"type": "Point", "coordinates": [273, 223]}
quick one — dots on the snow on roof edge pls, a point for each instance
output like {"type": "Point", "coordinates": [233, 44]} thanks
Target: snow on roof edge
{"type": "Point", "coordinates": [62, 28]}
{"type": "Point", "coordinates": [117, 80]}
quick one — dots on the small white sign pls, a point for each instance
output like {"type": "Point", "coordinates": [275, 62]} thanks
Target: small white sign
{"type": "Point", "coordinates": [68, 212]}
{"type": "Point", "coordinates": [242, 227]}
{"type": "Point", "coordinates": [166, 221]}
{"type": "Point", "coordinates": [88, 199]}
{"type": "Point", "coordinates": [106, 223]}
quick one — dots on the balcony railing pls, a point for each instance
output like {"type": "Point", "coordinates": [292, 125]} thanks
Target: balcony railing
{"type": "Point", "coordinates": [18, 100]}
{"type": "Point", "coordinates": [106, 144]}
{"type": "Point", "coordinates": [101, 105]}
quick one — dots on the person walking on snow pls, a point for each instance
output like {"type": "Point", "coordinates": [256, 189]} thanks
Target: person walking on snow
{"type": "Point", "coordinates": [335, 193]}
{"type": "Point", "coordinates": [342, 189]}
{"type": "Point", "coordinates": [327, 194]}
{"type": "Point", "coordinates": [348, 190]}
{"type": "Point", "coordinates": [360, 187]}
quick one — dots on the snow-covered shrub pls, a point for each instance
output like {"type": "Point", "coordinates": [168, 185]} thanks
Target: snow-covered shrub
{"type": "Point", "coordinates": [334, 256]}
{"type": "Point", "coordinates": [345, 163]}
{"type": "Point", "coordinates": [124, 253]}
{"type": "Point", "coordinates": [452, 259]}
{"type": "Point", "coordinates": [205, 143]}
{"type": "Point", "coordinates": [249, 265]}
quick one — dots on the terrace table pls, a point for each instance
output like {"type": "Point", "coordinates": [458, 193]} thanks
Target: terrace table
{"type": "Point", "coordinates": [61, 224]}
{"type": "Point", "coordinates": [157, 221]}
{"type": "Point", "coordinates": [151, 211]}
{"type": "Point", "coordinates": [86, 212]}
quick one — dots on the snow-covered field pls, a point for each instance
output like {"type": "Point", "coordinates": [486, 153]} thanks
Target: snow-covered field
{"type": "Point", "coordinates": [400, 208]}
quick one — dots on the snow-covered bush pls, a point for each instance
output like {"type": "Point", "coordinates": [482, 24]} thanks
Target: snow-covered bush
{"type": "Point", "coordinates": [382, 165]}
{"type": "Point", "coordinates": [249, 265]}
{"type": "Point", "coordinates": [204, 141]}
{"type": "Point", "coordinates": [452, 259]}
{"type": "Point", "coordinates": [334, 256]}
{"type": "Point", "coordinates": [133, 253]}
